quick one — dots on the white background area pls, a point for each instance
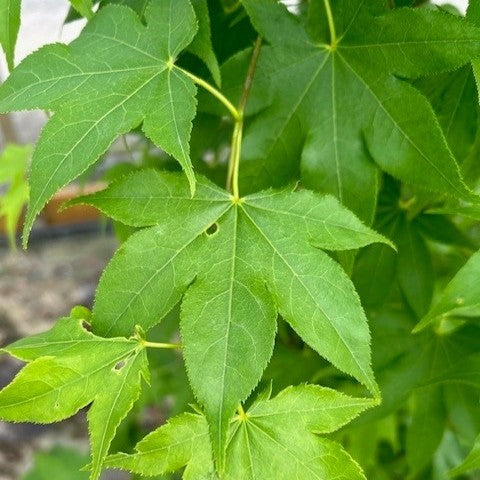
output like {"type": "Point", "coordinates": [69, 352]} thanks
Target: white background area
{"type": "Point", "coordinates": [42, 23]}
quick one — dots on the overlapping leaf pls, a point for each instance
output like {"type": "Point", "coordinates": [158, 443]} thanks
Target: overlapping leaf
{"type": "Point", "coordinates": [274, 439]}
{"type": "Point", "coordinates": [68, 369]}
{"type": "Point", "coordinates": [116, 75]}
{"type": "Point", "coordinates": [339, 101]}
{"type": "Point", "coordinates": [246, 259]}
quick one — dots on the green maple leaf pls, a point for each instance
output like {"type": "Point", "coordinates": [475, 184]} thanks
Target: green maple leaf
{"type": "Point", "coordinates": [201, 45]}
{"type": "Point", "coordinates": [339, 100]}
{"type": "Point", "coordinates": [116, 75]}
{"type": "Point", "coordinates": [183, 441]}
{"type": "Point", "coordinates": [277, 438]}
{"type": "Point", "coordinates": [68, 369]}
{"type": "Point", "coordinates": [239, 262]}
{"type": "Point", "coordinates": [9, 26]}
{"type": "Point", "coordinates": [460, 298]}
{"type": "Point", "coordinates": [13, 165]}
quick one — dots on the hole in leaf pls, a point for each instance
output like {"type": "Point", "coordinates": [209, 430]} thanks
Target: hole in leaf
{"type": "Point", "coordinates": [212, 229]}
{"type": "Point", "coordinates": [86, 326]}
{"type": "Point", "coordinates": [120, 365]}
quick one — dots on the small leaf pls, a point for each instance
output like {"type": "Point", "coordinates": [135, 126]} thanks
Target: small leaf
{"type": "Point", "coordinates": [459, 298]}
{"type": "Point", "coordinates": [183, 441]}
{"type": "Point", "coordinates": [275, 439]}
{"type": "Point", "coordinates": [9, 26]}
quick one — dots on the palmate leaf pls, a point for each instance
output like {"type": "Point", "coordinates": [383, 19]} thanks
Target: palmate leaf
{"type": "Point", "coordinates": [68, 369]}
{"type": "Point", "coordinates": [339, 101]}
{"type": "Point", "coordinates": [9, 26]}
{"type": "Point", "coordinates": [117, 74]}
{"type": "Point", "coordinates": [201, 45]}
{"type": "Point", "coordinates": [274, 439]}
{"type": "Point", "coordinates": [238, 262]}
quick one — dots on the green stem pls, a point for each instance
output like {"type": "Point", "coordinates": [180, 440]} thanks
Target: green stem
{"type": "Point", "coordinates": [234, 162]}
{"type": "Point", "coordinates": [241, 413]}
{"type": "Point", "coordinates": [331, 23]}
{"type": "Point", "coordinates": [217, 94]}
{"type": "Point", "coordinates": [168, 346]}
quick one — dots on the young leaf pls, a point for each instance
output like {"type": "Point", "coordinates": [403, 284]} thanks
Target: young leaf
{"type": "Point", "coordinates": [9, 26]}
{"type": "Point", "coordinates": [230, 250]}
{"type": "Point", "coordinates": [339, 89]}
{"type": "Point", "coordinates": [459, 298]}
{"type": "Point", "coordinates": [71, 368]}
{"type": "Point", "coordinates": [183, 441]}
{"type": "Point", "coordinates": [117, 74]}
{"type": "Point", "coordinates": [274, 439]}
{"type": "Point", "coordinates": [13, 165]}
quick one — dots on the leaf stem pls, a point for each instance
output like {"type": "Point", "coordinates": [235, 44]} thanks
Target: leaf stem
{"type": "Point", "coordinates": [241, 413]}
{"type": "Point", "coordinates": [234, 162]}
{"type": "Point", "coordinates": [168, 346]}
{"type": "Point", "coordinates": [331, 23]}
{"type": "Point", "coordinates": [211, 89]}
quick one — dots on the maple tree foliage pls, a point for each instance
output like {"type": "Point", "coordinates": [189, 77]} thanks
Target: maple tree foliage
{"type": "Point", "coordinates": [303, 228]}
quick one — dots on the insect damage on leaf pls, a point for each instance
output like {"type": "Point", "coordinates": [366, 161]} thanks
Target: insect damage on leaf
{"type": "Point", "coordinates": [265, 253]}
{"type": "Point", "coordinates": [69, 368]}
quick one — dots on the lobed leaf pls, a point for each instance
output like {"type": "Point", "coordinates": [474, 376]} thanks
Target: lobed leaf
{"type": "Point", "coordinates": [335, 96]}
{"type": "Point", "coordinates": [69, 369]}
{"type": "Point", "coordinates": [116, 75]}
{"type": "Point", "coordinates": [238, 262]}
{"type": "Point", "coordinates": [273, 439]}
